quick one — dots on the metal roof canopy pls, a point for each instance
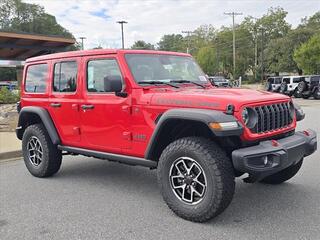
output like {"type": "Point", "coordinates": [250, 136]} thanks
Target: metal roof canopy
{"type": "Point", "coordinates": [20, 46]}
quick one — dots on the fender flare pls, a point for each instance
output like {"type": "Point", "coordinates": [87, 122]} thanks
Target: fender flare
{"type": "Point", "coordinates": [45, 118]}
{"type": "Point", "coordinates": [205, 116]}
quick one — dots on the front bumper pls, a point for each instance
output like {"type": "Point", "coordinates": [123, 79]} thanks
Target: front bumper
{"type": "Point", "coordinates": [270, 157]}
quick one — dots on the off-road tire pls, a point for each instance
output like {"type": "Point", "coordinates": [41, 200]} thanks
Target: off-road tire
{"type": "Point", "coordinates": [283, 175]}
{"type": "Point", "coordinates": [315, 96]}
{"type": "Point", "coordinates": [305, 96]}
{"type": "Point", "coordinates": [302, 86]}
{"type": "Point", "coordinates": [283, 88]}
{"type": "Point", "coordinates": [218, 169]}
{"type": "Point", "coordinates": [51, 158]}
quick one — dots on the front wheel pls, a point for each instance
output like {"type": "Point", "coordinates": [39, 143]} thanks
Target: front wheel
{"type": "Point", "coordinates": [283, 175]}
{"type": "Point", "coordinates": [196, 178]}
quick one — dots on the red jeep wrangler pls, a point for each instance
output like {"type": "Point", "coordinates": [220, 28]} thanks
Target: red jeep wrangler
{"type": "Point", "coordinates": [158, 109]}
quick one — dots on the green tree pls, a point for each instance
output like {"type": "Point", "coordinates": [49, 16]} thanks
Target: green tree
{"type": "Point", "coordinates": [140, 44]}
{"type": "Point", "coordinates": [172, 42]}
{"type": "Point", "coordinates": [312, 23]}
{"type": "Point", "coordinates": [17, 16]}
{"type": "Point", "coordinates": [280, 51]}
{"type": "Point", "coordinates": [273, 24]}
{"type": "Point", "coordinates": [8, 74]}
{"type": "Point", "coordinates": [307, 55]}
{"type": "Point", "coordinates": [206, 58]}
{"type": "Point", "coordinates": [200, 37]}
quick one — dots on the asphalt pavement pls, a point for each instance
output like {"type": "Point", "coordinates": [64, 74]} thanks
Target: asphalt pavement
{"type": "Point", "coordinates": [95, 199]}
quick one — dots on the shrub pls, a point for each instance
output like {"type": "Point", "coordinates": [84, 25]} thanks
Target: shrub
{"type": "Point", "coordinates": [7, 96]}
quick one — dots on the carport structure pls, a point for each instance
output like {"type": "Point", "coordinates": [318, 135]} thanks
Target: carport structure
{"type": "Point", "coordinates": [17, 47]}
{"type": "Point", "coordinates": [20, 46]}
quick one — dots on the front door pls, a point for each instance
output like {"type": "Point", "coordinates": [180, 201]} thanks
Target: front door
{"type": "Point", "coordinates": [64, 100]}
{"type": "Point", "coordinates": [104, 116]}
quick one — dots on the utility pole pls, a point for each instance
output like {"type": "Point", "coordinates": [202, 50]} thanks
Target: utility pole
{"type": "Point", "coordinates": [234, 39]}
{"type": "Point", "coordinates": [82, 38]}
{"type": "Point", "coordinates": [122, 35]}
{"type": "Point", "coordinates": [188, 36]}
{"type": "Point", "coordinates": [262, 56]}
{"type": "Point", "coordinates": [255, 48]}
{"type": "Point", "coordinates": [255, 54]}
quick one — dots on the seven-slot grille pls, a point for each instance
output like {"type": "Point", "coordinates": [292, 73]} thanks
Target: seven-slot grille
{"type": "Point", "coordinates": [272, 117]}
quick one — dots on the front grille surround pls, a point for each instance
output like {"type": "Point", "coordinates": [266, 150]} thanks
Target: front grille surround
{"type": "Point", "coordinates": [271, 117]}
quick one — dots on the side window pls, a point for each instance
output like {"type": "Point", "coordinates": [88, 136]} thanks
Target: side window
{"type": "Point", "coordinates": [297, 80]}
{"type": "Point", "coordinates": [65, 77]}
{"type": "Point", "coordinates": [286, 80]}
{"type": "Point", "coordinates": [36, 79]}
{"type": "Point", "coordinates": [99, 72]}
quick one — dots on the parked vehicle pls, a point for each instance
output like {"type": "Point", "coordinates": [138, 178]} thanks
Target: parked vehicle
{"type": "Point", "coordinates": [309, 87]}
{"type": "Point", "coordinates": [4, 85]}
{"type": "Point", "coordinates": [11, 86]}
{"type": "Point", "coordinates": [289, 84]}
{"type": "Point", "coordinates": [158, 110]}
{"type": "Point", "coordinates": [219, 81]}
{"type": "Point", "coordinates": [273, 84]}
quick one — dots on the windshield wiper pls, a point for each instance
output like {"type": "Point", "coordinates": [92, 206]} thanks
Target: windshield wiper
{"type": "Point", "coordinates": [188, 81]}
{"type": "Point", "coordinates": [158, 82]}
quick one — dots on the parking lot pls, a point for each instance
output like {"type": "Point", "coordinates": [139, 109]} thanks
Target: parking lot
{"type": "Point", "coordinates": [94, 199]}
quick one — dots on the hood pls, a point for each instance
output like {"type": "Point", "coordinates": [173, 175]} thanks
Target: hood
{"type": "Point", "coordinates": [214, 98]}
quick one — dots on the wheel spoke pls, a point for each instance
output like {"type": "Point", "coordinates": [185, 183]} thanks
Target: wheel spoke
{"type": "Point", "coordinates": [184, 194]}
{"type": "Point", "coordinates": [194, 190]}
{"type": "Point", "coordinates": [178, 169]}
{"type": "Point", "coordinates": [182, 186]}
{"type": "Point", "coordinates": [200, 183]}
{"type": "Point", "coordinates": [177, 176]}
{"type": "Point", "coordinates": [192, 165]}
{"type": "Point", "coordinates": [185, 167]}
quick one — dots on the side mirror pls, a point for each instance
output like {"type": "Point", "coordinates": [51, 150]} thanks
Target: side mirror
{"type": "Point", "coordinates": [113, 83]}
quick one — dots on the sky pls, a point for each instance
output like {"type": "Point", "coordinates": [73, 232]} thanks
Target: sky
{"type": "Point", "coordinates": [148, 20]}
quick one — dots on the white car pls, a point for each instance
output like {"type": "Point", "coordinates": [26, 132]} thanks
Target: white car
{"type": "Point", "coordinates": [273, 84]}
{"type": "Point", "coordinates": [290, 83]}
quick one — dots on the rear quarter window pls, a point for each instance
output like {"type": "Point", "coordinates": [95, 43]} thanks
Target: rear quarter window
{"type": "Point", "coordinates": [36, 78]}
{"type": "Point", "coordinates": [277, 80]}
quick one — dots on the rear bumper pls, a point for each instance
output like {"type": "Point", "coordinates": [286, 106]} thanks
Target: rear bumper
{"type": "Point", "coordinates": [270, 156]}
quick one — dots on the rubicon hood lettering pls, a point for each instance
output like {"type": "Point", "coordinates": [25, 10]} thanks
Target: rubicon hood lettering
{"type": "Point", "coordinates": [177, 102]}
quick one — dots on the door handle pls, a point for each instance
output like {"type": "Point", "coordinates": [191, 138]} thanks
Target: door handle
{"type": "Point", "coordinates": [86, 107]}
{"type": "Point", "coordinates": [55, 105]}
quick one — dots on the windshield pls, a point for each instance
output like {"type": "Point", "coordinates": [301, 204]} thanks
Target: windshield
{"type": "Point", "coordinates": [164, 68]}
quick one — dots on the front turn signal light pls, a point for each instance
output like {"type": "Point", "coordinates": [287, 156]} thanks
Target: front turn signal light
{"type": "Point", "coordinates": [224, 125]}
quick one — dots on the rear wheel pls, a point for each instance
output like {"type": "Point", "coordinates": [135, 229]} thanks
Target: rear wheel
{"type": "Point", "coordinates": [283, 175]}
{"type": "Point", "coordinates": [196, 178]}
{"type": "Point", "coordinates": [41, 156]}
{"type": "Point", "coordinates": [316, 94]}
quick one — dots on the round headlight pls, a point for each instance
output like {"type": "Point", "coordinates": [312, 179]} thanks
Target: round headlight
{"type": "Point", "coordinates": [249, 117]}
{"type": "Point", "coordinates": [245, 116]}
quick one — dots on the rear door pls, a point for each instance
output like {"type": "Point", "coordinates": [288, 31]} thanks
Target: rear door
{"type": "Point", "coordinates": [64, 100]}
